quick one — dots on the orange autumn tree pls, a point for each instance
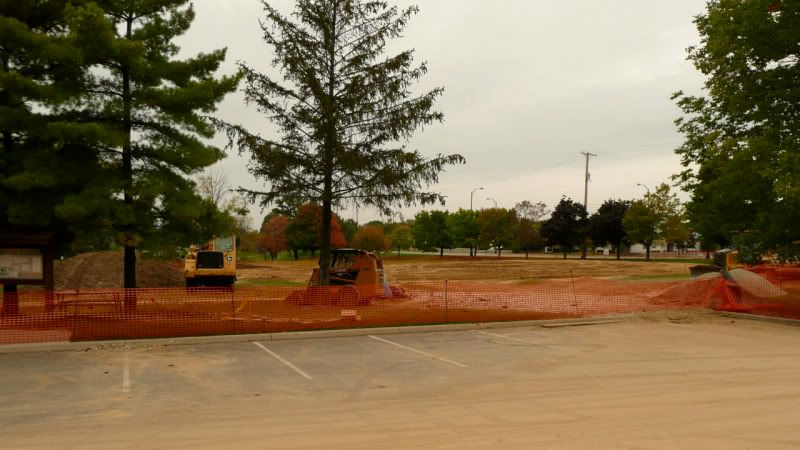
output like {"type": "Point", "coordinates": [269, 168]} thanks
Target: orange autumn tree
{"type": "Point", "coordinates": [371, 238]}
{"type": "Point", "coordinates": [273, 236]}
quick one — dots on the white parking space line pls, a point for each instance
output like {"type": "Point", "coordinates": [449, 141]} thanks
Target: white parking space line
{"type": "Point", "coordinates": [512, 338]}
{"type": "Point", "coordinates": [126, 374]}
{"type": "Point", "coordinates": [449, 361]}
{"type": "Point", "coordinates": [279, 358]}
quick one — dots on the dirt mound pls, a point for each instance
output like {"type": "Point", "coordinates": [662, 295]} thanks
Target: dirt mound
{"type": "Point", "coordinates": [103, 270]}
{"type": "Point", "coordinates": [755, 284]}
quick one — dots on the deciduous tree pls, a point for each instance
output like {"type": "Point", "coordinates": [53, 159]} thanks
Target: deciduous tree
{"type": "Point", "coordinates": [606, 225]}
{"type": "Point", "coordinates": [273, 236]}
{"type": "Point", "coordinates": [528, 232]}
{"type": "Point", "coordinates": [641, 223]}
{"type": "Point", "coordinates": [742, 134]}
{"type": "Point", "coordinates": [431, 231]}
{"type": "Point", "coordinates": [371, 238]}
{"type": "Point", "coordinates": [497, 227]}
{"type": "Point", "coordinates": [344, 109]}
{"type": "Point", "coordinates": [566, 225]}
{"type": "Point", "coordinates": [464, 229]}
{"type": "Point", "coordinates": [401, 238]}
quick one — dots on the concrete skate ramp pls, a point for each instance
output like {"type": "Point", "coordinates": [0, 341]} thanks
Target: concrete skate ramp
{"type": "Point", "coordinates": [755, 284]}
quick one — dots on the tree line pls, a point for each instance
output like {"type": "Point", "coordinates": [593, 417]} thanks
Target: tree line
{"type": "Point", "coordinates": [529, 226]}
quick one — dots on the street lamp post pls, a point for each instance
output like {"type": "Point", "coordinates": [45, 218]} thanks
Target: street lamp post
{"type": "Point", "coordinates": [495, 201]}
{"type": "Point", "coordinates": [471, 194]}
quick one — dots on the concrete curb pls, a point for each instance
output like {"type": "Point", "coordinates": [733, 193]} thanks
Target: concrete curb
{"type": "Point", "coordinates": [757, 318]}
{"type": "Point", "coordinates": [297, 335]}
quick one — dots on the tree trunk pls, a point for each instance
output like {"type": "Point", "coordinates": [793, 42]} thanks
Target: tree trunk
{"type": "Point", "coordinates": [526, 252]}
{"type": "Point", "coordinates": [619, 251]}
{"type": "Point", "coordinates": [565, 252]}
{"type": "Point", "coordinates": [648, 252]}
{"type": "Point", "coordinates": [441, 252]}
{"type": "Point", "coordinates": [296, 255]}
{"type": "Point", "coordinates": [329, 150]}
{"type": "Point", "coordinates": [127, 173]}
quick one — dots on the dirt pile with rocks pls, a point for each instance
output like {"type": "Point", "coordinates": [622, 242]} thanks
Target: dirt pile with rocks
{"type": "Point", "coordinates": [104, 270]}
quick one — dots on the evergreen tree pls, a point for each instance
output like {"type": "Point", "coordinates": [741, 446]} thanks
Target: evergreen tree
{"type": "Point", "coordinates": [344, 110]}
{"type": "Point", "coordinates": [153, 105]}
{"type": "Point", "coordinates": [45, 47]}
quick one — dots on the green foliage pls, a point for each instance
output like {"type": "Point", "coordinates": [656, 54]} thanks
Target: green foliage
{"type": "Point", "coordinates": [43, 156]}
{"type": "Point", "coordinates": [464, 229]}
{"type": "Point", "coordinates": [641, 224]}
{"type": "Point", "coordinates": [566, 226]}
{"type": "Point", "coordinates": [606, 225]}
{"type": "Point", "coordinates": [529, 227]}
{"type": "Point", "coordinates": [497, 227]}
{"type": "Point", "coordinates": [349, 228]}
{"type": "Point", "coordinates": [659, 215]}
{"type": "Point", "coordinates": [401, 238]}
{"type": "Point", "coordinates": [344, 109]}
{"type": "Point", "coordinates": [742, 137]}
{"type": "Point", "coordinates": [431, 231]}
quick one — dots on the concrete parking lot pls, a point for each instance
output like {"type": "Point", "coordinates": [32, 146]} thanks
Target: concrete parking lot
{"type": "Point", "coordinates": [665, 381]}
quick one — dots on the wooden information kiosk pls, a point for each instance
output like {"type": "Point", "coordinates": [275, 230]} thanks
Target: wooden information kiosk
{"type": "Point", "coordinates": [26, 258]}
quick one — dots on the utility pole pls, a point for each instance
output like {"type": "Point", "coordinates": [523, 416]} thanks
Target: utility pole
{"type": "Point", "coordinates": [586, 195]}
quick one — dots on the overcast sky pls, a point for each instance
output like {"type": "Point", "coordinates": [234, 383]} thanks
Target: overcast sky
{"type": "Point", "coordinates": [529, 84]}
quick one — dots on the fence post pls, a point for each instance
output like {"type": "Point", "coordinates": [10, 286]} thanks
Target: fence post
{"type": "Point", "coordinates": [233, 308]}
{"type": "Point", "coordinates": [446, 303]}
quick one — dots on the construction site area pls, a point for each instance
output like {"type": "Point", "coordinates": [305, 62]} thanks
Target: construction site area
{"type": "Point", "coordinates": [434, 352]}
{"type": "Point", "coordinates": [277, 297]}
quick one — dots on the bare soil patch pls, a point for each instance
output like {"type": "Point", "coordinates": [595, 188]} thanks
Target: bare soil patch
{"type": "Point", "coordinates": [104, 270]}
{"type": "Point", "coordinates": [404, 270]}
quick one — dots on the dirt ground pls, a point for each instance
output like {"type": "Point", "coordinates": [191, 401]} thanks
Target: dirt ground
{"type": "Point", "coordinates": [666, 381]}
{"type": "Point", "coordinates": [103, 270]}
{"type": "Point", "coordinates": [428, 268]}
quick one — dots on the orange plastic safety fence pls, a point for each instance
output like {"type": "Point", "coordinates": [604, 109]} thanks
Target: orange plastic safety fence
{"type": "Point", "coordinates": [776, 293]}
{"type": "Point", "coordinates": [84, 315]}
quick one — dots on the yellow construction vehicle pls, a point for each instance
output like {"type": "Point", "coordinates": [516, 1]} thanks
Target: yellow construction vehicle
{"type": "Point", "coordinates": [212, 264]}
{"type": "Point", "coordinates": [356, 278]}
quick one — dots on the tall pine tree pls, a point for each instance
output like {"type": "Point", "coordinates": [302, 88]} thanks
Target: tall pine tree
{"type": "Point", "coordinates": [45, 48]}
{"type": "Point", "coordinates": [344, 109]}
{"type": "Point", "coordinates": [154, 104]}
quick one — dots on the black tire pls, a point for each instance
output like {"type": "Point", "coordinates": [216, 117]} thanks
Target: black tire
{"type": "Point", "coordinates": [348, 296]}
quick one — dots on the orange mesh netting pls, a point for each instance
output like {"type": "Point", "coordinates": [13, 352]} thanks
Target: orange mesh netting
{"type": "Point", "coordinates": [102, 314]}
